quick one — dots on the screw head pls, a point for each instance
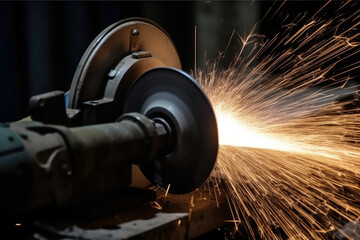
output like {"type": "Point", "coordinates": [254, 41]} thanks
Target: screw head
{"type": "Point", "coordinates": [135, 32]}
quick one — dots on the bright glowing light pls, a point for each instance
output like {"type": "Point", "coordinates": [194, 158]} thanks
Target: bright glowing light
{"type": "Point", "coordinates": [233, 132]}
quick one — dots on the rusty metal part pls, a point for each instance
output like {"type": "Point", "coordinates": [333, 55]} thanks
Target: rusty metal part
{"type": "Point", "coordinates": [174, 96]}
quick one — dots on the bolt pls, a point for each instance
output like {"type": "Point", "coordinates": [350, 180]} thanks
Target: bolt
{"type": "Point", "coordinates": [141, 54]}
{"type": "Point", "coordinates": [112, 74]}
{"type": "Point", "coordinates": [135, 32]}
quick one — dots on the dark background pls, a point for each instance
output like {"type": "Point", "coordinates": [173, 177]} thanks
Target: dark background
{"type": "Point", "coordinates": [41, 43]}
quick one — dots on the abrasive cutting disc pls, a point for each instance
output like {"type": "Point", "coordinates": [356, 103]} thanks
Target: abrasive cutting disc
{"type": "Point", "coordinates": [110, 47]}
{"type": "Point", "coordinates": [174, 96]}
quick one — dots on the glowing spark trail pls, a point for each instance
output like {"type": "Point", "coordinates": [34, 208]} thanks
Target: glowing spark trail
{"type": "Point", "coordinates": [235, 133]}
{"type": "Point", "coordinates": [289, 128]}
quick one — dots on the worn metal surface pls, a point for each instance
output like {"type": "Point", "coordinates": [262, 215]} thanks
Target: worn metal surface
{"type": "Point", "coordinates": [132, 66]}
{"type": "Point", "coordinates": [109, 47]}
{"type": "Point", "coordinates": [113, 62]}
{"type": "Point", "coordinates": [51, 166]}
{"type": "Point", "coordinates": [172, 217]}
{"type": "Point", "coordinates": [51, 108]}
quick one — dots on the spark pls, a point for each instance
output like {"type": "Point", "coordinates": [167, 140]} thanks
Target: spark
{"type": "Point", "coordinates": [236, 133]}
{"type": "Point", "coordinates": [156, 205]}
{"type": "Point", "coordinates": [190, 214]}
{"type": "Point", "coordinates": [167, 191]}
{"type": "Point", "coordinates": [192, 201]}
{"type": "Point", "coordinates": [232, 130]}
{"type": "Point", "coordinates": [289, 146]}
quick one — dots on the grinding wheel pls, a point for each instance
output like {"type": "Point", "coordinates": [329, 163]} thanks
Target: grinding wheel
{"type": "Point", "coordinates": [174, 96]}
{"type": "Point", "coordinates": [159, 93]}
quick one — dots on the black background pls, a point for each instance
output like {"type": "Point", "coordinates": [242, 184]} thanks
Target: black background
{"type": "Point", "coordinates": [41, 43]}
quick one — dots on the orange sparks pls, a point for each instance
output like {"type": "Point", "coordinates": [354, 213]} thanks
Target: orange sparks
{"type": "Point", "coordinates": [166, 193]}
{"type": "Point", "coordinates": [156, 205]}
{"type": "Point", "coordinates": [289, 129]}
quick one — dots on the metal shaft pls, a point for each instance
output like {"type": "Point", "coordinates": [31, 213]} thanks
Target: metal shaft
{"type": "Point", "coordinates": [113, 148]}
{"type": "Point", "coordinates": [51, 166]}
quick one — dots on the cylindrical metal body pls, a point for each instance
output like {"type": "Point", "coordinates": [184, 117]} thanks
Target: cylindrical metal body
{"type": "Point", "coordinates": [112, 148]}
{"type": "Point", "coordinates": [52, 166]}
